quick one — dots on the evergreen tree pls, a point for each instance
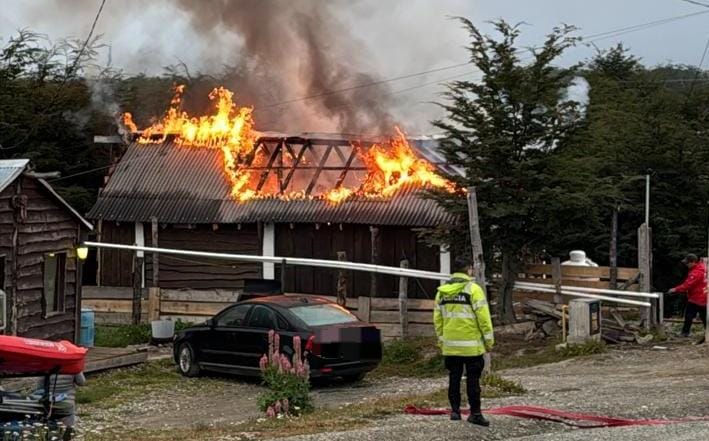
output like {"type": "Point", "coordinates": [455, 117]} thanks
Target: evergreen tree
{"type": "Point", "coordinates": [504, 131]}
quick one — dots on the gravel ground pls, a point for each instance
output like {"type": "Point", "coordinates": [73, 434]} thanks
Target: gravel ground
{"type": "Point", "coordinates": [633, 384]}
{"type": "Point", "coordinates": [639, 383]}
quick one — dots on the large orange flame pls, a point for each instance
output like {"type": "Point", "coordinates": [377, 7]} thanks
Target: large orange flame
{"type": "Point", "coordinates": [390, 165]}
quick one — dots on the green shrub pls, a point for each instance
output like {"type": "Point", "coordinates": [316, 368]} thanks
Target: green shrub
{"type": "Point", "coordinates": [120, 336]}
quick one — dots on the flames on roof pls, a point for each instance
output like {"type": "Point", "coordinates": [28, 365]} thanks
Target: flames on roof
{"type": "Point", "coordinates": [257, 169]}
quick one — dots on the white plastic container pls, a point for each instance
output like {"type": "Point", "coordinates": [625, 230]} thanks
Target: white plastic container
{"type": "Point", "coordinates": [163, 329]}
{"type": "Point", "coordinates": [578, 258]}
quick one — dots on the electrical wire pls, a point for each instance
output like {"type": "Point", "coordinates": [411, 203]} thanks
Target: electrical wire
{"type": "Point", "coordinates": [695, 2]}
{"type": "Point", "coordinates": [591, 38]}
{"type": "Point", "coordinates": [699, 70]}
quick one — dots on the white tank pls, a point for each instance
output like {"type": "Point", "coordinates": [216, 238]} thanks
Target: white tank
{"type": "Point", "coordinates": [578, 258]}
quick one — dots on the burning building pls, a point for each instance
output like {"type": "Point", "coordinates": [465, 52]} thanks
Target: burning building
{"type": "Point", "coordinates": [214, 183]}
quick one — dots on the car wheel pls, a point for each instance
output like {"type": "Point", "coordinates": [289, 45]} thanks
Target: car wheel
{"type": "Point", "coordinates": [356, 378]}
{"type": "Point", "coordinates": [186, 362]}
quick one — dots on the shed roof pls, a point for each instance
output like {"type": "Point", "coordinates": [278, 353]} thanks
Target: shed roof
{"type": "Point", "coordinates": [11, 169]}
{"type": "Point", "coordinates": [183, 185]}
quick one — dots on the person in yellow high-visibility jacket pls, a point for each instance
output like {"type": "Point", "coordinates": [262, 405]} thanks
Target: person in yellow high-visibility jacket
{"type": "Point", "coordinates": [463, 325]}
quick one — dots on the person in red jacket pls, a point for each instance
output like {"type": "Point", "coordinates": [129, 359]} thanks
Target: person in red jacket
{"type": "Point", "coordinates": [695, 286]}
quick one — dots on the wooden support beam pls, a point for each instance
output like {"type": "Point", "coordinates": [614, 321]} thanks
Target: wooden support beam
{"type": "Point", "coordinates": [556, 279]}
{"type": "Point", "coordinates": [269, 166]}
{"type": "Point", "coordinates": [348, 167]}
{"type": "Point", "coordinates": [156, 256]}
{"type": "Point", "coordinates": [364, 308]}
{"type": "Point", "coordinates": [613, 253]}
{"type": "Point", "coordinates": [342, 280]}
{"type": "Point", "coordinates": [137, 291]}
{"type": "Point", "coordinates": [316, 175]}
{"type": "Point", "coordinates": [268, 248]}
{"type": "Point", "coordinates": [475, 239]}
{"type": "Point", "coordinates": [291, 172]}
{"type": "Point", "coordinates": [374, 258]}
{"type": "Point", "coordinates": [644, 266]}
{"type": "Point", "coordinates": [99, 252]}
{"type": "Point", "coordinates": [403, 301]}
{"type": "Point", "coordinates": [153, 304]}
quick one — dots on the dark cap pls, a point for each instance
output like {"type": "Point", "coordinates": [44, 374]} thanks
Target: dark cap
{"type": "Point", "coordinates": [690, 258]}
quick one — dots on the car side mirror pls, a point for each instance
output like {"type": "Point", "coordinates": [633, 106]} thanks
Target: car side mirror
{"type": "Point", "coordinates": [210, 322]}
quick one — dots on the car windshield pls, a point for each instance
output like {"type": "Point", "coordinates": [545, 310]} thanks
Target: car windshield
{"type": "Point", "coordinates": [323, 314]}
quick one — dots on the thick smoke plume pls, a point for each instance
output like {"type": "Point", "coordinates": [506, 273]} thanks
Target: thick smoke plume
{"type": "Point", "coordinates": [296, 49]}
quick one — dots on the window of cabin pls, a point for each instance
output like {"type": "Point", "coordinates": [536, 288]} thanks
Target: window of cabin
{"type": "Point", "coordinates": [54, 284]}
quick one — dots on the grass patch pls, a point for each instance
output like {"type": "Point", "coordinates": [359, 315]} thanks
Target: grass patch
{"type": "Point", "coordinates": [111, 388]}
{"type": "Point", "coordinates": [494, 384]}
{"type": "Point", "coordinates": [535, 356]}
{"type": "Point", "coordinates": [121, 336]}
{"type": "Point", "coordinates": [413, 358]}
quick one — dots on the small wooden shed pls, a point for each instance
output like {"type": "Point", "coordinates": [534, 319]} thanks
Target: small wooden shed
{"type": "Point", "coordinates": [39, 268]}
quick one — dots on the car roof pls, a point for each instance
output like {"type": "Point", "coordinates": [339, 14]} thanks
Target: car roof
{"type": "Point", "coordinates": [289, 300]}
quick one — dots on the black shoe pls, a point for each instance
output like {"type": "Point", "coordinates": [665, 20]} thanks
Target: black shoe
{"type": "Point", "coordinates": [478, 419]}
{"type": "Point", "coordinates": [455, 416]}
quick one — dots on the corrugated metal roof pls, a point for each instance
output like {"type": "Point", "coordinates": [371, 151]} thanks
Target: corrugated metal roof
{"type": "Point", "coordinates": [183, 185]}
{"type": "Point", "coordinates": [10, 169]}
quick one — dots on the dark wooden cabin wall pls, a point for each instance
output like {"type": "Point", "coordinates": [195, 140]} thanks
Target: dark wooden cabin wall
{"type": "Point", "coordinates": [395, 243]}
{"type": "Point", "coordinates": [201, 273]}
{"type": "Point", "coordinates": [48, 228]}
{"type": "Point", "coordinates": [117, 265]}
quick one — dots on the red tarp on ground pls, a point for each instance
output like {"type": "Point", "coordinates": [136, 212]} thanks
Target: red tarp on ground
{"type": "Point", "coordinates": [19, 355]}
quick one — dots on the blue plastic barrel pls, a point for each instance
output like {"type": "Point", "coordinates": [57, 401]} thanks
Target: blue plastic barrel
{"type": "Point", "coordinates": [87, 330]}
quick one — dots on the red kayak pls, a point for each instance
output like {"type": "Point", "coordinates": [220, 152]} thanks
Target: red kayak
{"type": "Point", "coordinates": [19, 355]}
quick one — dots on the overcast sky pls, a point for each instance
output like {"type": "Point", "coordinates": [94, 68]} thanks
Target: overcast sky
{"type": "Point", "coordinates": [401, 36]}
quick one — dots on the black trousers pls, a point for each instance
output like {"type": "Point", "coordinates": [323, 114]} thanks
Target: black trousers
{"type": "Point", "coordinates": [473, 368]}
{"type": "Point", "coordinates": [690, 311]}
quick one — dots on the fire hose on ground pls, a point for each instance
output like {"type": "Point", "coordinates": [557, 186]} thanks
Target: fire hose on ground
{"type": "Point", "coordinates": [573, 419]}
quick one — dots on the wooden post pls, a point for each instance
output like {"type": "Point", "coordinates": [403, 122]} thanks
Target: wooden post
{"type": "Point", "coordinates": [363, 308]}
{"type": "Point", "coordinates": [342, 281]}
{"type": "Point", "coordinates": [78, 295]}
{"type": "Point", "coordinates": [374, 231]}
{"type": "Point", "coordinates": [613, 253]}
{"type": "Point", "coordinates": [644, 257]}
{"type": "Point", "coordinates": [99, 229]}
{"type": "Point", "coordinates": [153, 303]}
{"type": "Point", "coordinates": [556, 279]}
{"type": "Point", "coordinates": [475, 239]}
{"type": "Point", "coordinates": [137, 288]}
{"type": "Point", "coordinates": [283, 276]}
{"type": "Point", "coordinates": [404, 301]}
{"type": "Point", "coordinates": [156, 256]}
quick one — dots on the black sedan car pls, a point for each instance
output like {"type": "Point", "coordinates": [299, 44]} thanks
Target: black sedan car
{"type": "Point", "coordinates": [337, 343]}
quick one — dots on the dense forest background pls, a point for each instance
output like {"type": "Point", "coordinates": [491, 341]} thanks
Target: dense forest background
{"type": "Point", "coordinates": [639, 119]}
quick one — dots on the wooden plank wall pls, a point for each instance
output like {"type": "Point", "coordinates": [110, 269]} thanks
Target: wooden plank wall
{"type": "Point", "coordinates": [324, 241]}
{"type": "Point", "coordinates": [48, 228]}
{"type": "Point", "coordinates": [200, 273]}
{"type": "Point", "coordinates": [117, 265]}
{"type": "Point", "coordinates": [582, 276]}
{"type": "Point", "coordinates": [113, 306]}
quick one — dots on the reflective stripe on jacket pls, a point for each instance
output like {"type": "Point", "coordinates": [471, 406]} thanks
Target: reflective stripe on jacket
{"type": "Point", "coordinates": [462, 318]}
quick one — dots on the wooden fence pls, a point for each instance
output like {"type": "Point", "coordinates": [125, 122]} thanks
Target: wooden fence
{"type": "Point", "coordinates": [394, 317]}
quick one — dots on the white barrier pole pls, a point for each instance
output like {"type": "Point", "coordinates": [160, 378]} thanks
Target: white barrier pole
{"type": "Point", "coordinates": [322, 263]}
{"type": "Point", "coordinates": [584, 295]}
{"type": "Point", "coordinates": [646, 295]}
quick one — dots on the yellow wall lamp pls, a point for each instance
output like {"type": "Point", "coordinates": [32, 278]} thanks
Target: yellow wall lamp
{"type": "Point", "coordinates": [82, 252]}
